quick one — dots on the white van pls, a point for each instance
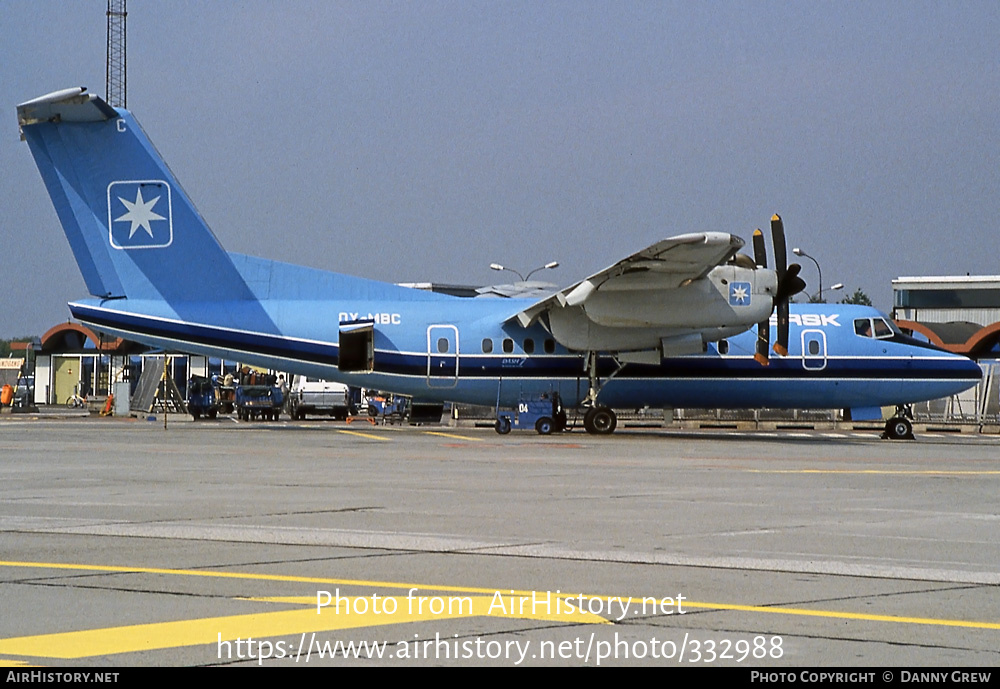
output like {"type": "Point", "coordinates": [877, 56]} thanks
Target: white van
{"type": "Point", "coordinates": [315, 396]}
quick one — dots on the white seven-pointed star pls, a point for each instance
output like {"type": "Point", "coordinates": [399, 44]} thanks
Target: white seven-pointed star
{"type": "Point", "coordinates": [740, 294]}
{"type": "Point", "coordinates": [140, 214]}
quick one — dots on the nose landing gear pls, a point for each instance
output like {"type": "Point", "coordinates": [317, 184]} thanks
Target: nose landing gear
{"type": "Point", "coordinates": [900, 426]}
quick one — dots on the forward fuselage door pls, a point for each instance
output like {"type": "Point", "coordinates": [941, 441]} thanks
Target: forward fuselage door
{"type": "Point", "coordinates": [813, 350]}
{"type": "Point", "coordinates": [442, 356]}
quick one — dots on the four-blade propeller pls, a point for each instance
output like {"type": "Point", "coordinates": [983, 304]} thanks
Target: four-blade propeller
{"type": "Point", "coordinates": [789, 284]}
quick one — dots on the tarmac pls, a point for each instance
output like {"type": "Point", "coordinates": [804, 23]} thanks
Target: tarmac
{"type": "Point", "coordinates": [320, 543]}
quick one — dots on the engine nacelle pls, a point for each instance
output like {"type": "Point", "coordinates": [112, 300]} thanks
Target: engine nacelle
{"type": "Point", "coordinates": [728, 300]}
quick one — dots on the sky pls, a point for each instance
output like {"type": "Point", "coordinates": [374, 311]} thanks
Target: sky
{"type": "Point", "coordinates": [422, 141]}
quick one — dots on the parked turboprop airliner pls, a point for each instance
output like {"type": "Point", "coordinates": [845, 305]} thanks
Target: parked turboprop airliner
{"type": "Point", "coordinates": [684, 322]}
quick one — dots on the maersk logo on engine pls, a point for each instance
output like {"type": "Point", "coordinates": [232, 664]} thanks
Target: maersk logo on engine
{"type": "Point", "coordinates": [139, 215]}
{"type": "Point", "coordinates": [739, 294]}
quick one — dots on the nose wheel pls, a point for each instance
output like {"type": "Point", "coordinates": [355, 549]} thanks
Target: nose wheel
{"type": "Point", "coordinates": [899, 427]}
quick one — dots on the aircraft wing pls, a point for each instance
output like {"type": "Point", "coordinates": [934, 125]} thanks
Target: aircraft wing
{"type": "Point", "coordinates": [668, 264]}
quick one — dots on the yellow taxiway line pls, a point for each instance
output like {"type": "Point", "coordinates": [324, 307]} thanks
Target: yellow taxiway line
{"type": "Point", "coordinates": [425, 588]}
{"type": "Point", "coordinates": [310, 619]}
{"type": "Point", "coordinates": [372, 436]}
{"type": "Point", "coordinates": [456, 437]}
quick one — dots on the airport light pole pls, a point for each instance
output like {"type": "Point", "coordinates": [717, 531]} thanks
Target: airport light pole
{"type": "Point", "coordinates": [815, 299]}
{"type": "Point", "coordinates": [548, 266]}
{"type": "Point", "coordinates": [799, 252]}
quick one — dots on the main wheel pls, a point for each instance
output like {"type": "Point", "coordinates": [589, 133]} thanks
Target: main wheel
{"type": "Point", "coordinates": [502, 426]}
{"type": "Point", "coordinates": [600, 421]}
{"type": "Point", "coordinates": [899, 428]}
{"type": "Point", "coordinates": [544, 425]}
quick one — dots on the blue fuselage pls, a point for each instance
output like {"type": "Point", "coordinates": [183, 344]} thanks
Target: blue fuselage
{"type": "Point", "coordinates": [436, 348]}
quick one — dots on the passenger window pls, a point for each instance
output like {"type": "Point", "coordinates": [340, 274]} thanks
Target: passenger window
{"type": "Point", "coordinates": [508, 345]}
{"type": "Point", "coordinates": [529, 346]}
{"type": "Point", "coordinates": [487, 345]}
{"type": "Point", "coordinates": [723, 346]}
{"type": "Point", "coordinates": [813, 347]}
{"type": "Point", "coordinates": [443, 345]}
{"type": "Point", "coordinates": [550, 346]}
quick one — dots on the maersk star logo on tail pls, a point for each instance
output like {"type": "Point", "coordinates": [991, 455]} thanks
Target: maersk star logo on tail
{"type": "Point", "coordinates": [139, 214]}
{"type": "Point", "coordinates": [739, 294]}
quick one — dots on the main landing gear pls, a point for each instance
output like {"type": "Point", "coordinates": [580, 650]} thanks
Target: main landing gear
{"type": "Point", "coordinates": [598, 420]}
{"type": "Point", "coordinates": [900, 426]}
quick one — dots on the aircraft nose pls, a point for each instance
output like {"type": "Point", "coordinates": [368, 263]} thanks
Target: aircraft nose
{"type": "Point", "coordinates": [969, 367]}
{"type": "Point", "coordinates": [963, 371]}
{"type": "Point", "coordinates": [960, 374]}
{"type": "Point", "coordinates": [955, 366]}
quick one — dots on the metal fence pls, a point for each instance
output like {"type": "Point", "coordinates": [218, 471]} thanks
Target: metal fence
{"type": "Point", "coordinates": [980, 404]}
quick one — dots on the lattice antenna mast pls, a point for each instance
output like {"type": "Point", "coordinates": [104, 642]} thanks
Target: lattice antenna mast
{"type": "Point", "coordinates": [116, 81]}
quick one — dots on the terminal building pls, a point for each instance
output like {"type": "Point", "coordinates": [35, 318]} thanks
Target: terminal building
{"type": "Point", "coordinates": [72, 359]}
{"type": "Point", "coordinates": [962, 315]}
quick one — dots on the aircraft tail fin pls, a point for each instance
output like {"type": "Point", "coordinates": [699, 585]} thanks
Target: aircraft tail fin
{"type": "Point", "coordinates": [133, 230]}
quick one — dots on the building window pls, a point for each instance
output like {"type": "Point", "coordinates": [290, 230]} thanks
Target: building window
{"type": "Point", "coordinates": [982, 298]}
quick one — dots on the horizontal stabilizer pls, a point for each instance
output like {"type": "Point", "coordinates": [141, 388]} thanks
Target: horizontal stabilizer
{"type": "Point", "coordinates": [68, 105]}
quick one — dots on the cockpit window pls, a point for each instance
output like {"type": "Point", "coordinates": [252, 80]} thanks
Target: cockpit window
{"type": "Point", "coordinates": [876, 328]}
